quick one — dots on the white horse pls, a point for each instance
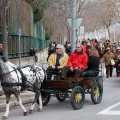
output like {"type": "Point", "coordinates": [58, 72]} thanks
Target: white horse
{"type": "Point", "coordinates": [14, 79]}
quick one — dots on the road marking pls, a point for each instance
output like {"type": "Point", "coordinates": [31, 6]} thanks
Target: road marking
{"type": "Point", "coordinates": [108, 110]}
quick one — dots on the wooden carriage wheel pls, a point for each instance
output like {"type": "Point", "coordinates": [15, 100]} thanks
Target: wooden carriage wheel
{"type": "Point", "coordinates": [61, 97]}
{"type": "Point", "coordinates": [96, 93]}
{"type": "Point", "coordinates": [77, 97]}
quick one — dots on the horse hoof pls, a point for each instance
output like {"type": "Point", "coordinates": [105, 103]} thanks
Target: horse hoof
{"type": "Point", "coordinates": [40, 109]}
{"type": "Point", "coordinates": [30, 111]}
{"type": "Point", "coordinates": [4, 117]}
{"type": "Point", "coordinates": [25, 113]}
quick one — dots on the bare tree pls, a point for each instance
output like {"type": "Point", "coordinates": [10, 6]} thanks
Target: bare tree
{"type": "Point", "coordinates": [108, 13]}
{"type": "Point", "coordinates": [100, 14]}
{"type": "Point", "coordinates": [55, 19]}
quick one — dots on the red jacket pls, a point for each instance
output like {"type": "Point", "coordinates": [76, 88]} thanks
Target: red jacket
{"type": "Point", "coordinates": [84, 48]}
{"type": "Point", "coordinates": [78, 60]}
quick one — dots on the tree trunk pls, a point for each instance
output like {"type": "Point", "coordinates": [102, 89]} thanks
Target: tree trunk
{"type": "Point", "coordinates": [69, 36]}
{"type": "Point", "coordinates": [4, 31]}
{"type": "Point", "coordinates": [105, 32]}
{"type": "Point", "coordinates": [108, 28]}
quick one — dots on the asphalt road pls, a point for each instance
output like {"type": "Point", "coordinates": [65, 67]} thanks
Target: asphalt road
{"type": "Point", "coordinates": [109, 108]}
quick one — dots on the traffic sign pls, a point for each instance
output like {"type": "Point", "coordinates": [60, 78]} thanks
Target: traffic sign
{"type": "Point", "coordinates": [19, 31]}
{"type": "Point", "coordinates": [78, 22]}
{"type": "Point", "coordinates": [82, 30]}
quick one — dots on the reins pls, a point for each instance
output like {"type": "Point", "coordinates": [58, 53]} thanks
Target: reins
{"type": "Point", "coordinates": [8, 73]}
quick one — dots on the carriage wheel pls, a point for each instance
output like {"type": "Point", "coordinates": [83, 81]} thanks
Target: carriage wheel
{"type": "Point", "coordinates": [61, 97]}
{"type": "Point", "coordinates": [96, 93]}
{"type": "Point", "coordinates": [77, 97]}
{"type": "Point", "coordinates": [45, 99]}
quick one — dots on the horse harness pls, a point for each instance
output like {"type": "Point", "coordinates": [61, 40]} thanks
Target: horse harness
{"type": "Point", "coordinates": [23, 77]}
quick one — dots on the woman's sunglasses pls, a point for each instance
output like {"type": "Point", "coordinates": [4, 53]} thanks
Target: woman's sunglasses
{"type": "Point", "coordinates": [57, 48]}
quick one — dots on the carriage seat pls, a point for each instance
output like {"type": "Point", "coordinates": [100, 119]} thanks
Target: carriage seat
{"type": "Point", "coordinates": [56, 75]}
{"type": "Point", "coordinates": [89, 73]}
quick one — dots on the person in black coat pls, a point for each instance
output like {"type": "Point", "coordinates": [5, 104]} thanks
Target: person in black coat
{"type": "Point", "coordinates": [117, 66]}
{"type": "Point", "coordinates": [68, 49]}
{"type": "Point", "coordinates": [93, 61]}
{"type": "Point", "coordinates": [51, 50]}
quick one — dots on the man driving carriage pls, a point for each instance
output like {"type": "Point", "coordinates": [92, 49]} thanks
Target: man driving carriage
{"type": "Point", "coordinates": [56, 61]}
{"type": "Point", "coordinates": [77, 62]}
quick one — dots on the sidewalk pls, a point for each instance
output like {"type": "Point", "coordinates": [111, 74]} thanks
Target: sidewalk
{"type": "Point", "coordinates": [26, 96]}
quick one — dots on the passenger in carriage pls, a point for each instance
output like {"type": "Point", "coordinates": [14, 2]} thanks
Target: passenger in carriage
{"type": "Point", "coordinates": [56, 61]}
{"type": "Point", "coordinates": [77, 62]}
{"type": "Point", "coordinates": [93, 62]}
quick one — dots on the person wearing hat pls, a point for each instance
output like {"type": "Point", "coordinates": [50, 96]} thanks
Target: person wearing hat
{"type": "Point", "coordinates": [56, 61]}
{"type": "Point", "coordinates": [107, 59]}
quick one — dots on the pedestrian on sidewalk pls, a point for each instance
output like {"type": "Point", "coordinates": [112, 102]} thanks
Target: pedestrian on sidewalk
{"type": "Point", "coordinates": [35, 55]}
{"type": "Point", "coordinates": [31, 52]}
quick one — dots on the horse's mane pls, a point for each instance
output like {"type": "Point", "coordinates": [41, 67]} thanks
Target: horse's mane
{"type": "Point", "coordinates": [10, 64]}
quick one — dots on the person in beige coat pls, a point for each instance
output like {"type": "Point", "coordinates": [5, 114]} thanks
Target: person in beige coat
{"type": "Point", "coordinates": [107, 59]}
{"type": "Point", "coordinates": [56, 61]}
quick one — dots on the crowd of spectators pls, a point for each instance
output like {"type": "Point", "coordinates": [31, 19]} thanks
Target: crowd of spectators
{"type": "Point", "coordinates": [105, 51]}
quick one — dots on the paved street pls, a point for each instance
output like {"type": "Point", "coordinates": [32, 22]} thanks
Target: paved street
{"type": "Point", "coordinates": [109, 108]}
{"type": "Point", "coordinates": [32, 30]}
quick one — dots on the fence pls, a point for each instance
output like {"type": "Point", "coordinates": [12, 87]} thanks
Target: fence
{"type": "Point", "coordinates": [20, 16]}
{"type": "Point", "coordinates": [26, 43]}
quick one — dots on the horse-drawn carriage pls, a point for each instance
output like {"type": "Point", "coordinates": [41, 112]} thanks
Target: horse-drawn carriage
{"type": "Point", "coordinates": [87, 83]}
{"type": "Point", "coordinates": [30, 77]}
